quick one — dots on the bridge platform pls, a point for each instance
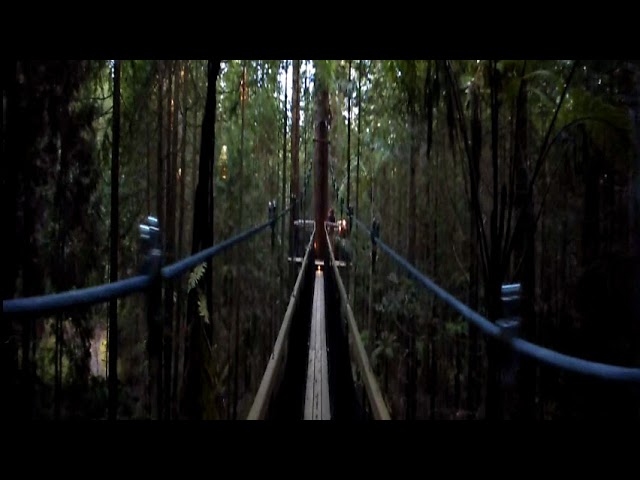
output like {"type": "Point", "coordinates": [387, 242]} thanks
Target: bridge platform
{"type": "Point", "coordinates": [317, 401]}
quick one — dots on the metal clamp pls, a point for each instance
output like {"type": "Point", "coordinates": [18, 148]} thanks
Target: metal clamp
{"type": "Point", "coordinates": [151, 245]}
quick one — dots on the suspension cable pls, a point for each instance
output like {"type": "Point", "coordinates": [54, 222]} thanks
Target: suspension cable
{"type": "Point", "coordinates": [102, 293]}
{"type": "Point", "coordinates": [542, 354]}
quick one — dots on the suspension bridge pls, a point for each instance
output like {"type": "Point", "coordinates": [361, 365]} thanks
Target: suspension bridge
{"type": "Point", "coordinates": [319, 368]}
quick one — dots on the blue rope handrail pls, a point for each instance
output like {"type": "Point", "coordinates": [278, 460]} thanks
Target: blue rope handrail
{"type": "Point", "coordinates": [542, 354]}
{"type": "Point", "coordinates": [108, 291]}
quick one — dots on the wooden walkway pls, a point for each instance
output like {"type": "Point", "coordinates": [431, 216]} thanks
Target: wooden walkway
{"type": "Point", "coordinates": [316, 405]}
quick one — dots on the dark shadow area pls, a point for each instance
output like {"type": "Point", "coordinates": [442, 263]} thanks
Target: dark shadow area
{"type": "Point", "coordinates": [288, 402]}
{"type": "Point", "coordinates": [344, 399]}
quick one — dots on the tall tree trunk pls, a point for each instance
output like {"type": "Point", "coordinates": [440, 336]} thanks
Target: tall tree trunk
{"type": "Point", "coordinates": [194, 143]}
{"type": "Point", "coordinates": [10, 178]}
{"type": "Point", "coordinates": [295, 155]}
{"type": "Point", "coordinates": [321, 161]}
{"type": "Point", "coordinates": [243, 96]}
{"type": "Point", "coordinates": [148, 158]}
{"type": "Point", "coordinates": [172, 161]}
{"type": "Point", "coordinates": [632, 100]}
{"type": "Point", "coordinates": [591, 219]}
{"type": "Point", "coordinates": [357, 206]}
{"type": "Point", "coordinates": [177, 332]}
{"type": "Point", "coordinates": [202, 238]}
{"type": "Point", "coordinates": [154, 343]}
{"type": "Point", "coordinates": [411, 257]}
{"type": "Point", "coordinates": [115, 242]}
{"type": "Point", "coordinates": [433, 334]}
{"type": "Point", "coordinates": [495, 273]}
{"type": "Point", "coordinates": [160, 194]}
{"type": "Point", "coordinates": [349, 139]}
{"type": "Point", "coordinates": [524, 249]}
{"type": "Point", "coordinates": [347, 272]}
{"type": "Point", "coordinates": [28, 251]}
{"type": "Point", "coordinates": [283, 198]}
{"type": "Point", "coordinates": [370, 325]}
{"type": "Point", "coordinates": [474, 385]}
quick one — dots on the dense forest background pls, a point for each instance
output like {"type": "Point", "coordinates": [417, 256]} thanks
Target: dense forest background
{"type": "Point", "coordinates": [480, 173]}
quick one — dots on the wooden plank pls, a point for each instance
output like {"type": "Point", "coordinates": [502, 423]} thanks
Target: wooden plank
{"type": "Point", "coordinates": [326, 401]}
{"type": "Point", "coordinates": [276, 362]}
{"type": "Point", "coordinates": [378, 406]}
{"type": "Point", "coordinates": [317, 403]}
{"type": "Point", "coordinates": [308, 400]}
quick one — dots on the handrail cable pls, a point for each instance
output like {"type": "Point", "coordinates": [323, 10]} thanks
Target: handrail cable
{"type": "Point", "coordinates": [542, 354]}
{"type": "Point", "coordinates": [102, 293]}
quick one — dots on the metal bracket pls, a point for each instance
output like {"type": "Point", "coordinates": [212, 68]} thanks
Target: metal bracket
{"type": "Point", "coordinates": [509, 329]}
{"type": "Point", "coordinates": [151, 245]}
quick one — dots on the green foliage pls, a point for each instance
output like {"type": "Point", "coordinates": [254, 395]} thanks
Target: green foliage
{"type": "Point", "coordinates": [386, 348]}
{"type": "Point", "coordinates": [196, 275]}
{"type": "Point", "coordinates": [325, 74]}
{"type": "Point", "coordinates": [400, 297]}
{"type": "Point", "coordinates": [456, 327]}
{"type": "Point", "coordinates": [45, 357]}
{"type": "Point", "coordinates": [395, 94]}
{"type": "Point", "coordinates": [202, 307]}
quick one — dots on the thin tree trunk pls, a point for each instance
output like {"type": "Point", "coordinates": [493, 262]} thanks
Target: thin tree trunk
{"type": "Point", "coordinates": [172, 161]}
{"type": "Point", "coordinates": [321, 160]}
{"type": "Point", "coordinates": [148, 135]}
{"type": "Point", "coordinates": [632, 101]}
{"type": "Point", "coordinates": [195, 152]}
{"type": "Point", "coordinates": [474, 368]}
{"type": "Point", "coordinates": [295, 155]}
{"type": "Point", "coordinates": [9, 179]}
{"type": "Point", "coordinates": [177, 332]}
{"type": "Point", "coordinates": [160, 194]}
{"type": "Point", "coordinates": [349, 139]}
{"type": "Point", "coordinates": [492, 293]}
{"type": "Point", "coordinates": [347, 272]}
{"type": "Point", "coordinates": [434, 314]}
{"type": "Point", "coordinates": [154, 344]}
{"type": "Point", "coordinates": [243, 87]}
{"type": "Point", "coordinates": [357, 206]}
{"type": "Point", "coordinates": [525, 255]}
{"type": "Point", "coordinates": [202, 238]}
{"type": "Point", "coordinates": [115, 237]}
{"type": "Point", "coordinates": [283, 200]}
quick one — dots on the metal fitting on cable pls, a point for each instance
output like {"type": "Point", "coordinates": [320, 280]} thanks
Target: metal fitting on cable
{"type": "Point", "coordinates": [509, 328]}
{"type": "Point", "coordinates": [151, 245]}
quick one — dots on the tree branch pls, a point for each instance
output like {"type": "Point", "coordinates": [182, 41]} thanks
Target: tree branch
{"type": "Point", "coordinates": [543, 152]}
